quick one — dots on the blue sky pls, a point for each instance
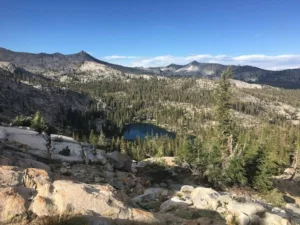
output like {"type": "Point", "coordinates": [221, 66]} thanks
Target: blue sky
{"type": "Point", "coordinates": [263, 33]}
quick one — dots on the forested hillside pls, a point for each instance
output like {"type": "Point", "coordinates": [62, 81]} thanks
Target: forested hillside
{"type": "Point", "coordinates": [262, 123]}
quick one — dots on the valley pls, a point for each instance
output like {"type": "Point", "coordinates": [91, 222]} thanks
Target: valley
{"type": "Point", "coordinates": [149, 140]}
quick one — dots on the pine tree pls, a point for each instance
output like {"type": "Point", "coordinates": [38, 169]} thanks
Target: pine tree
{"type": "Point", "coordinates": [93, 138]}
{"type": "Point", "coordinates": [38, 123]}
{"type": "Point", "coordinates": [123, 146]}
{"type": "Point", "coordinates": [102, 143]}
{"type": "Point", "coordinates": [223, 113]}
{"type": "Point", "coordinates": [265, 170]}
{"type": "Point", "coordinates": [185, 152]}
{"type": "Point", "coordinates": [113, 144]}
{"type": "Point", "coordinates": [118, 143]}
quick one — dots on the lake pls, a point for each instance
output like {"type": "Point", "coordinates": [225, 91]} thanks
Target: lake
{"type": "Point", "coordinates": [134, 130]}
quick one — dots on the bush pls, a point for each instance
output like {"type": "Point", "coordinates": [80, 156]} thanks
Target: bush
{"type": "Point", "coordinates": [21, 121]}
{"type": "Point", "coordinates": [213, 169]}
{"type": "Point", "coordinates": [66, 151]}
{"type": "Point", "coordinates": [234, 174]}
{"type": "Point", "coordinates": [265, 170]}
{"type": "Point", "coordinates": [275, 198]}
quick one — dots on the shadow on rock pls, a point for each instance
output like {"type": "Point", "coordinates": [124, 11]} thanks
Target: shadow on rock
{"type": "Point", "coordinates": [203, 217]}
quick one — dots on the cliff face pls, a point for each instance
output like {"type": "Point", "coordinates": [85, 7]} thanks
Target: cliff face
{"type": "Point", "coordinates": [19, 96]}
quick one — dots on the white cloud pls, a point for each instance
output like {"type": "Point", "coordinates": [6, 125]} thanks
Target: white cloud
{"type": "Point", "coordinates": [117, 57]}
{"type": "Point", "coordinates": [275, 62]}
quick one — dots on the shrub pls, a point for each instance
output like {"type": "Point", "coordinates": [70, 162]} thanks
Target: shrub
{"type": "Point", "coordinates": [275, 198]}
{"type": "Point", "coordinates": [21, 121]}
{"type": "Point", "coordinates": [66, 151]}
{"type": "Point", "coordinates": [234, 174]}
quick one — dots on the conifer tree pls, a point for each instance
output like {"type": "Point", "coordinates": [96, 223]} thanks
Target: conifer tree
{"type": "Point", "coordinates": [123, 146]}
{"type": "Point", "coordinates": [93, 138]}
{"type": "Point", "coordinates": [265, 170]}
{"type": "Point", "coordinates": [185, 152]}
{"type": "Point", "coordinates": [102, 143]}
{"type": "Point", "coordinates": [38, 123]}
{"type": "Point", "coordinates": [223, 115]}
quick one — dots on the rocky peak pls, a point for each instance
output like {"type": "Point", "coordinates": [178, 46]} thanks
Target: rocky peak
{"type": "Point", "coordinates": [194, 63]}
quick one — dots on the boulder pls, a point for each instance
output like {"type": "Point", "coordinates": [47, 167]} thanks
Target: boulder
{"type": "Point", "coordinates": [246, 208]}
{"type": "Point", "coordinates": [293, 209]}
{"type": "Point", "coordinates": [65, 172]}
{"type": "Point", "coordinates": [109, 174]}
{"type": "Point", "coordinates": [273, 219]}
{"type": "Point", "coordinates": [121, 174]}
{"type": "Point", "coordinates": [11, 176]}
{"type": "Point", "coordinates": [156, 192]}
{"type": "Point", "coordinates": [89, 156]}
{"type": "Point", "coordinates": [109, 167]}
{"type": "Point", "coordinates": [152, 195]}
{"type": "Point", "coordinates": [174, 203]}
{"type": "Point", "coordinates": [244, 213]}
{"type": "Point", "coordinates": [186, 189]}
{"type": "Point", "coordinates": [101, 156]}
{"type": "Point", "coordinates": [94, 200]}
{"type": "Point", "coordinates": [205, 198]}
{"type": "Point", "coordinates": [120, 161]}
{"type": "Point", "coordinates": [36, 179]}
{"type": "Point", "coordinates": [101, 152]}
{"type": "Point", "coordinates": [12, 206]}
{"type": "Point", "coordinates": [166, 161]}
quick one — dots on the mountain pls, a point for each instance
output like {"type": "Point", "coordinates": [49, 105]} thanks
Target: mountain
{"type": "Point", "coordinates": [285, 78]}
{"type": "Point", "coordinates": [56, 65]}
{"type": "Point", "coordinates": [83, 67]}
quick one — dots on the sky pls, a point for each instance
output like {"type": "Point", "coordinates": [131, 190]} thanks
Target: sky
{"type": "Point", "coordinates": [263, 33]}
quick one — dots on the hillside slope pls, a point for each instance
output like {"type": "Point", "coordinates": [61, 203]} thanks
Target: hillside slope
{"type": "Point", "coordinates": [22, 93]}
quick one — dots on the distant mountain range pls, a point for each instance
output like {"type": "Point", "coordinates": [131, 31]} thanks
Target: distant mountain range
{"type": "Point", "coordinates": [85, 67]}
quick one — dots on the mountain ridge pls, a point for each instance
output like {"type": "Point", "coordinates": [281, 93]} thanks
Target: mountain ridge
{"type": "Point", "coordinates": [56, 65]}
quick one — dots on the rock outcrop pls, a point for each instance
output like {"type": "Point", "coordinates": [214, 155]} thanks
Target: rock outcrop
{"type": "Point", "coordinates": [59, 147]}
{"type": "Point", "coordinates": [99, 187]}
{"type": "Point", "coordinates": [120, 161]}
